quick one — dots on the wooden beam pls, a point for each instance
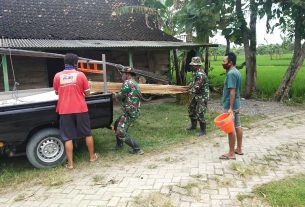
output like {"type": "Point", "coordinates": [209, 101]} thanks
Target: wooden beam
{"type": "Point", "coordinates": [97, 87]}
{"type": "Point", "coordinates": [5, 73]}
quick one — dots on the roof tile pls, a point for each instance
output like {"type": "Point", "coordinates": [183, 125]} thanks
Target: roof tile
{"type": "Point", "coordinates": [74, 20]}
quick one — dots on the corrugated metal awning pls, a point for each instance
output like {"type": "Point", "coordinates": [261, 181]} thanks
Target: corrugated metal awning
{"type": "Point", "coordinates": [78, 44]}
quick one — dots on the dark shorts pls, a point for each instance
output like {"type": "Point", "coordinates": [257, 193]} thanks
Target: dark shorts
{"type": "Point", "coordinates": [236, 117]}
{"type": "Point", "coordinates": [237, 122]}
{"type": "Point", "coordinates": [72, 126]}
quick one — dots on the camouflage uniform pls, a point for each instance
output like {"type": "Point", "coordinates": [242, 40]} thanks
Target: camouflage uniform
{"type": "Point", "coordinates": [130, 97]}
{"type": "Point", "coordinates": [199, 89]}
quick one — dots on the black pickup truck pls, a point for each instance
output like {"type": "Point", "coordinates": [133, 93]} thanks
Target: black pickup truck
{"type": "Point", "coordinates": [32, 128]}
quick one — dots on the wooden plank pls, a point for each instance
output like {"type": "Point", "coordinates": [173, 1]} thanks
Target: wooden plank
{"type": "Point", "coordinates": [144, 88]}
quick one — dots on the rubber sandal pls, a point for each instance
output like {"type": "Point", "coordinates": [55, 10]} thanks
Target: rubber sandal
{"type": "Point", "coordinates": [69, 167]}
{"type": "Point", "coordinates": [96, 157]}
{"type": "Point", "coordinates": [226, 157]}
{"type": "Point", "coordinates": [238, 153]}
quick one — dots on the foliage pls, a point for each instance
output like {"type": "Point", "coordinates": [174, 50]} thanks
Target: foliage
{"type": "Point", "coordinates": [217, 51]}
{"type": "Point", "coordinates": [229, 24]}
{"type": "Point", "coordinates": [161, 12]}
{"type": "Point", "coordinates": [200, 17]}
{"type": "Point", "coordinates": [275, 51]}
{"type": "Point", "coordinates": [286, 192]}
{"type": "Point", "coordinates": [287, 12]}
{"type": "Point", "coordinates": [291, 19]}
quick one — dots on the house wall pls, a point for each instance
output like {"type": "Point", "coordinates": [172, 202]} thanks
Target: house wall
{"type": "Point", "coordinates": [35, 72]}
{"type": "Point", "coordinates": [155, 61]}
{"type": "Point", "coordinates": [29, 73]}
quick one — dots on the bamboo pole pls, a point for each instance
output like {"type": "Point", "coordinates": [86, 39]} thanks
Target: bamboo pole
{"type": "Point", "coordinates": [97, 87]}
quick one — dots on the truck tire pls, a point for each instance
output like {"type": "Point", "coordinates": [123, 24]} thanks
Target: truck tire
{"type": "Point", "coordinates": [45, 149]}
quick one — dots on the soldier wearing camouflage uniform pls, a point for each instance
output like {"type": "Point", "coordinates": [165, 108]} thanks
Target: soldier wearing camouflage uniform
{"type": "Point", "coordinates": [130, 97]}
{"type": "Point", "coordinates": [199, 89]}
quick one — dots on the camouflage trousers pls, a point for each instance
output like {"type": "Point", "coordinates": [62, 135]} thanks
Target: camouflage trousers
{"type": "Point", "coordinates": [197, 109]}
{"type": "Point", "coordinates": [121, 126]}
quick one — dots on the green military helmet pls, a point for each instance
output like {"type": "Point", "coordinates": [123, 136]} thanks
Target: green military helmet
{"type": "Point", "coordinates": [128, 69]}
{"type": "Point", "coordinates": [196, 61]}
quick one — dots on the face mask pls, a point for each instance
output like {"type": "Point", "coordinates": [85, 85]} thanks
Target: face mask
{"type": "Point", "coordinates": [226, 66]}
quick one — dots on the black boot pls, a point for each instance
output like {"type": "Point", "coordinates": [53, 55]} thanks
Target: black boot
{"type": "Point", "coordinates": [193, 125]}
{"type": "Point", "coordinates": [203, 127]}
{"type": "Point", "coordinates": [119, 143]}
{"type": "Point", "coordinates": [135, 146]}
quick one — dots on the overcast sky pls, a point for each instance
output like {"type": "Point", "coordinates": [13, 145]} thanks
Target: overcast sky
{"type": "Point", "coordinates": [261, 35]}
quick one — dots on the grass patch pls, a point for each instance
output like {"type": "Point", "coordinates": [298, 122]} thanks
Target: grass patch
{"type": "Point", "coordinates": [247, 121]}
{"type": "Point", "coordinates": [288, 192]}
{"type": "Point", "coordinates": [242, 197]}
{"type": "Point", "coordinates": [193, 188]}
{"type": "Point", "coordinates": [153, 200]}
{"type": "Point", "coordinates": [152, 166]}
{"type": "Point", "coordinates": [246, 171]}
{"type": "Point", "coordinates": [20, 197]}
{"type": "Point", "coordinates": [159, 127]}
{"type": "Point", "coordinates": [223, 181]}
{"type": "Point", "coordinates": [53, 181]}
{"type": "Point", "coordinates": [16, 173]}
{"type": "Point", "coordinates": [173, 159]}
{"type": "Point", "coordinates": [98, 179]}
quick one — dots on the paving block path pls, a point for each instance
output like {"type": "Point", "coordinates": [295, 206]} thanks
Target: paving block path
{"type": "Point", "coordinates": [187, 176]}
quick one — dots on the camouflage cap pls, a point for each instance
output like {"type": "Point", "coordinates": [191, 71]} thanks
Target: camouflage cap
{"type": "Point", "coordinates": [196, 61]}
{"type": "Point", "coordinates": [128, 69]}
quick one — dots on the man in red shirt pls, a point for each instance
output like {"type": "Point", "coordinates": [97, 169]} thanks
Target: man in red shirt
{"type": "Point", "coordinates": [72, 86]}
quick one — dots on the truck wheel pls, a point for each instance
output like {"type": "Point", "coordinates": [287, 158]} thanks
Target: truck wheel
{"type": "Point", "coordinates": [45, 149]}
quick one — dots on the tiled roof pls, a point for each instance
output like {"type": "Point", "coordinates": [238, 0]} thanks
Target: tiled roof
{"type": "Point", "coordinates": [74, 20]}
{"type": "Point", "coordinates": [38, 43]}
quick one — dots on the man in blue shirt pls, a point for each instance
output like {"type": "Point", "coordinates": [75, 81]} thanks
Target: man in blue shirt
{"type": "Point", "coordinates": [231, 104]}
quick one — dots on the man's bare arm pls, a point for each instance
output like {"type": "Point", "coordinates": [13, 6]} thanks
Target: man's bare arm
{"type": "Point", "coordinates": [87, 92]}
{"type": "Point", "coordinates": [232, 99]}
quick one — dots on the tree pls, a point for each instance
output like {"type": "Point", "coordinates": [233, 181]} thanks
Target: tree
{"type": "Point", "coordinates": [249, 42]}
{"type": "Point", "coordinates": [217, 51]}
{"type": "Point", "coordinates": [199, 17]}
{"type": "Point", "coordinates": [227, 24]}
{"type": "Point", "coordinates": [287, 44]}
{"type": "Point", "coordinates": [291, 15]}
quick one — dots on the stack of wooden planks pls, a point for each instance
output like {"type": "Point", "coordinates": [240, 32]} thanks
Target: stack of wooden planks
{"type": "Point", "coordinates": [97, 87]}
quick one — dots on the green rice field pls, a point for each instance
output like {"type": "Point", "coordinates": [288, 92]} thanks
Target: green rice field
{"type": "Point", "coordinates": [269, 75]}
